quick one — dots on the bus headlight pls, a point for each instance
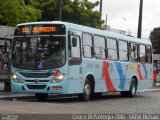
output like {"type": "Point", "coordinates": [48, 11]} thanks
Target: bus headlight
{"type": "Point", "coordinates": [16, 78]}
{"type": "Point", "coordinates": [60, 77]}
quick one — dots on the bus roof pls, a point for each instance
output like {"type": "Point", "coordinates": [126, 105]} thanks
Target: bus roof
{"type": "Point", "coordinates": [91, 30]}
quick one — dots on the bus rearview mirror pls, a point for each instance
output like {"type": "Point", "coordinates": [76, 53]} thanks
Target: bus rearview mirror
{"type": "Point", "coordinates": [74, 42]}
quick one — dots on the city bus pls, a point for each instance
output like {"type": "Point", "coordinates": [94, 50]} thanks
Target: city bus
{"type": "Point", "coordinates": [70, 59]}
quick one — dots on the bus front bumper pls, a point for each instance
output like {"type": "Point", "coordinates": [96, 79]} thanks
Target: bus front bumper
{"type": "Point", "coordinates": [50, 88]}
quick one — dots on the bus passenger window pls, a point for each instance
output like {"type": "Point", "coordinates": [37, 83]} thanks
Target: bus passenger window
{"type": "Point", "coordinates": [133, 52]}
{"type": "Point", "coordinates": [142, 53]}
{"type": "Point", "coordinates": [148, 54]}
{"type": "Point", "coordinates": [112, 49]}
{"type": "Point", "coordinates": [99, 47]}
{"type": "Point", "coordinates": [87, 45]}
{"type": "Point", "coordinates": [123, 51]}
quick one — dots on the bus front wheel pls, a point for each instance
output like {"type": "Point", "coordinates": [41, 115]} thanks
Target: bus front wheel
{"type": "Point", "coordinates": [41, 96]}
{"type": "Point", "coordinates": [86, 95]}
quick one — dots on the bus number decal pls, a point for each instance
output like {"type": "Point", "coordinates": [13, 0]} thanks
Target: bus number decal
{"type": "Point", "coordinates": [25, 30]}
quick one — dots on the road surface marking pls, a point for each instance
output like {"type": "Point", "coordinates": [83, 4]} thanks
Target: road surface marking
{"type": "Point", "coordinates": [20, 110]}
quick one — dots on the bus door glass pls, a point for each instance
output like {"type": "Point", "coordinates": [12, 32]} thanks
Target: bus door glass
{"type": "Point", "coordinates": [75, 71]}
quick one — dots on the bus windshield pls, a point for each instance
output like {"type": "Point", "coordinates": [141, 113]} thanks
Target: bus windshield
{"type": "Point", "coordinates": [45, 52]}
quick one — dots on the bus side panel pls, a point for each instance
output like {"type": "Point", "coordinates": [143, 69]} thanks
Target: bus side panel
{"type": "Point", "coordinates": [75, 79]}
{"type": "Point", "coordinates": [144, 76]}
{"type": "Point", "coordinates": [109, 76]}
{"type": "Point", "coordinates": [149, 80]}
{"type": "Point", "coordinates": [122, 68]}
{"type": "Point", "coordinates": [106, 75]}
{"type": "Point", "coordinates": [133, 73]}
{"type": "Point", "coordinates": [113, 76]}
{"type": "Point", "coordinates": [116, 75]}
{"type": "Point", "coordinates": [92, 67]}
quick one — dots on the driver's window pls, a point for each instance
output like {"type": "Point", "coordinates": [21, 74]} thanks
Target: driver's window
{"type": "Point", "coordinates": [74, 49]}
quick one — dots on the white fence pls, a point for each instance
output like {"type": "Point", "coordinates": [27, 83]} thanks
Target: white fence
{"type": "Point", "coordinates": [6, 32]}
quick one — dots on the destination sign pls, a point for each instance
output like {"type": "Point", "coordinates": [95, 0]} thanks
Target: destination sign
{"type": "Point", "coordinates": [40, 29]}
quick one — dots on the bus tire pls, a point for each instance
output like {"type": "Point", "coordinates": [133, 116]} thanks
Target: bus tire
{"type": "Point", "coordinates": [97, 95]}
{"type": "Point", "coordinates": [124, 93]}
{"type": "Point", "coordinates": [154, 82]}
{"type": "Point", "coordinates": [133, 88]}
{"type": "Point", "coordinates": [86, 95]}
{"type": "Point", "coordinates": [41, 96]}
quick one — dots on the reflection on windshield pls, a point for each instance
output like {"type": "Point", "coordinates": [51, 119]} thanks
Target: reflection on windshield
{"type": "Point", "coordinates": [38, 52]}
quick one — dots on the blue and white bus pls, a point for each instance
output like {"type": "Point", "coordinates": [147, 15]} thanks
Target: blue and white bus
{"type": "Point", "coordinates": [65, 58]}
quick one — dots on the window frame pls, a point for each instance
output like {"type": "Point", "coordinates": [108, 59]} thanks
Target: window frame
{"type": "Point", "coordinates": [149, 55]}
{"type": "Point", "coordinates": [116, 50]}
{"type": "Point", "coordinates": [98, 47]}
{"type": "Point", "coordinates": [136, 52]}
{"type": "Point", "coordinates": [139, 53]}
{"type": "Point", "coordinates": [75, 60]}
{"type": "Point", "coordinates": [92, 53]}
{"type": "Point", "coordinates": [120, 40]}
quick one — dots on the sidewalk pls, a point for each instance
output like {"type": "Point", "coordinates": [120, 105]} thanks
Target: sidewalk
{"type": "Point", "coordinates": [4, 94]}
{"type": "Point", "coordinates": [154, 88]}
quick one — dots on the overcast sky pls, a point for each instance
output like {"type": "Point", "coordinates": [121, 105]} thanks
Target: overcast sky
{"type": "Point", "coordinates": [129, 9]}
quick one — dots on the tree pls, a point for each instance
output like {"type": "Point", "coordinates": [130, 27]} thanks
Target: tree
{"type": "Point", "coordinates": [155, 39]}
{"type": "Point", "coordinates": [29, 13]}
{"type": "Point", "coordinates": [77, 11]}
{"type": "Point", "coordinates": [81, 12]}
{"type": "Point", "coordinates": [8, 12]}
{"type": "Point", "coordinates": [13, 12]}
{"type": "Point", "coordinates": [49, 9]}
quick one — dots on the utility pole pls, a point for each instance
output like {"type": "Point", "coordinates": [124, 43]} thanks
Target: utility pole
{"type": "Point", "coordinates": [140, 20]}
{"type": "Point", "coordinates": [60, 10]}
{"type": "Point", "coordinates": [106, 22]}
{"type": "Point", "coordinates": [100, 8]}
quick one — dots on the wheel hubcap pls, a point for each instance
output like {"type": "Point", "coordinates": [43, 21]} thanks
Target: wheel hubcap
{"type": "Point", "coordinates": [87, 90]}
{"type": "Point", "coordinates": [133, 89]}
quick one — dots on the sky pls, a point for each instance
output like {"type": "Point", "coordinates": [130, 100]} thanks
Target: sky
{"type": "Point", "coordinates": [118, 10]}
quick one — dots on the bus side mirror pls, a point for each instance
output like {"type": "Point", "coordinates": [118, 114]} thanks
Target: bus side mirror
{"type": "Point", "coordinates": [74, 42]}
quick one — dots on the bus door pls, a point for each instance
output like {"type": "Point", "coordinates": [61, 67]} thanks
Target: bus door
{"type": "Point", "coordinates": [75, 68]}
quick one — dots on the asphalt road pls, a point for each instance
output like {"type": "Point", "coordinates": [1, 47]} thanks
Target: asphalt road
{"type": "Point", "coordinates": [144, 103]}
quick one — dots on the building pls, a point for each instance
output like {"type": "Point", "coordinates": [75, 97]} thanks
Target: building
{"type": "Point", "coordinates": [114, 30]}
{"type": "Point", "coordinates": [6, 34]}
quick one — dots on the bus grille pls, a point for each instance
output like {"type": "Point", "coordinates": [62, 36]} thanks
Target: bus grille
{"type": "Point", "coordinates": [36, 87]}
{"type": "Point", "coordinates": [39, 81]}
{"type": "Point", "coordinates": [36, 75]}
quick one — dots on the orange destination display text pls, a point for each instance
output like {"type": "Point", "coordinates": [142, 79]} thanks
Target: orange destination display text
{"type": "Point", "coordinates": [40, 29]}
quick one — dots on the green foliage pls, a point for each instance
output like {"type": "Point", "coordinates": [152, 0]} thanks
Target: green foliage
{"type": "Point", "coordinates": [49, 9]}
{"type": "Point", "coordinates": [8, 12]}
{"type": "Point", "coordinates": [155, 39]}
{"type": "Point", "coordinates": [81, 12]}
{"type": "Point", "coordinates": [13, 12]}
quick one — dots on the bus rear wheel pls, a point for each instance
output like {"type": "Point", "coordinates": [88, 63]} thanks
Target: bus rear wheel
{"type": "Point", "coordinates": [133, 88]}
{"type": "Point", "coordinates": [132, 92]}
{"type": "Point", "coordinates": [41, 96]}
